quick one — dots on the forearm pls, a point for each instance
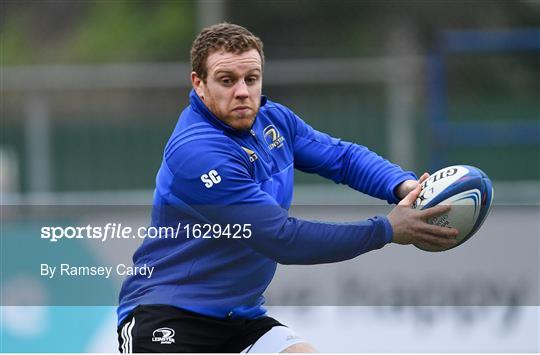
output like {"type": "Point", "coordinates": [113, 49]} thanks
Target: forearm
{"type": "Point", "coordinates": [318, 243]}
{"type": "Point", "coordinates": [365, 171]}
{"type": "Point", "coordinates": [290, 240]}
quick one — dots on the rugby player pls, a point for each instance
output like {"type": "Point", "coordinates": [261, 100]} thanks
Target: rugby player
{"type": "Point", "coordinates": [229, 163]}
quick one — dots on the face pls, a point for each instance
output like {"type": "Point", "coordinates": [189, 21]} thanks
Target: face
{"type": "Point", "coordinates": [232, 90]}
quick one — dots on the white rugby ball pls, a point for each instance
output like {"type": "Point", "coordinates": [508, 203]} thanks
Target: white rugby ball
{"type": "Point", "coordinates": [470, 192]}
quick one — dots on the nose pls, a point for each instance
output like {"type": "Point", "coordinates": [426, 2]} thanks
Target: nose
{"type": "Point", "coordinates": [241, 91]}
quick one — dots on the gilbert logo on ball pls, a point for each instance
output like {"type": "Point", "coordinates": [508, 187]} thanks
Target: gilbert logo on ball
{"type": "Point", "coordinates": [470, 192]}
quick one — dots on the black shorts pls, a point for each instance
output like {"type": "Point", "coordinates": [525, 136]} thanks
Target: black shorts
{"type": "Point", "coordinates": [163, 328]}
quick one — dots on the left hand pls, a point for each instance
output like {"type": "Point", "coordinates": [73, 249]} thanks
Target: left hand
{"type": "Point", "coordinates": [407, 186]}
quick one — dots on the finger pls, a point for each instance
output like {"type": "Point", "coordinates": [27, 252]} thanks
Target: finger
{"type": "Point", "coordinates": [411, 196]}
{"type": "Point", "coordinates": [431, 246]}
{"type": "Point", "coordinates": [441, 232]}
{"type": "Point", "coordinates": [438, 242]}
{"type": "Point", "coordinates": [423, 178]}
{"type": "Point", "coordinates": [435, 211]}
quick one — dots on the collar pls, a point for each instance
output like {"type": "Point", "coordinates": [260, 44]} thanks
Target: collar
{"type": "Point", "coordinates": [198, 105]}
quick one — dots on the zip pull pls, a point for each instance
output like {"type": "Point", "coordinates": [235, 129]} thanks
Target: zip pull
{"type": "Point", "coordinates": [261, 147]}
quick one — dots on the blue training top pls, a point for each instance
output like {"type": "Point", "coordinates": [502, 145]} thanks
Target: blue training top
{"type": "Point", "coordinates": [214, 174]}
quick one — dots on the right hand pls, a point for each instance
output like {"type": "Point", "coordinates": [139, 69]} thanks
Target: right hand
{"type": "Point", "coordinates": [410, 225]}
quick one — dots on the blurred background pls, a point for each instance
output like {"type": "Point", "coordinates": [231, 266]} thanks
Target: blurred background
{"type": "Point", "coordinates": [91, 90]}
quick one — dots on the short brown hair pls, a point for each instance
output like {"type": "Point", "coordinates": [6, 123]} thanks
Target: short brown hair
{"type": "Point", "coordinates": [230, 37]}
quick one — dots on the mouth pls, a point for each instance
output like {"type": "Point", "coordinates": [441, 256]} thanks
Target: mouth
{"type": "Point", "coordinates": [242, 108]}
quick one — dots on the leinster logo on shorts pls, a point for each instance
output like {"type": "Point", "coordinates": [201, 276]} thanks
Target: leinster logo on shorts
{"type": "Point", "coordinates": [272, 137]}
{"type": "Point", "coordinates": [163, 336]}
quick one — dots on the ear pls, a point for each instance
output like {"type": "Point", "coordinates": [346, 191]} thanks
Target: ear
{"type": "Point", "coordinates": [198, 85]}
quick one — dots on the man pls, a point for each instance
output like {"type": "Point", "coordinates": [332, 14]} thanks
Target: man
{"type": "Point", "coordinates": [229, 164]}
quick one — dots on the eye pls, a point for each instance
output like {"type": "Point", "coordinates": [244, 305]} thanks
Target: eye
{"type": "Point", "coordinates": [252, 79]}
{"type": "Point", "coordinates": [226, 81]}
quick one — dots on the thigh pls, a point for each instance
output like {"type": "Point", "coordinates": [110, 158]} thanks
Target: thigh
{"type": "Point", "coordinates": [167, 329]}
{"type": "Point", "coordinates": [265, 335]}
{"type": "Point", "coordinates": [300, 348]}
